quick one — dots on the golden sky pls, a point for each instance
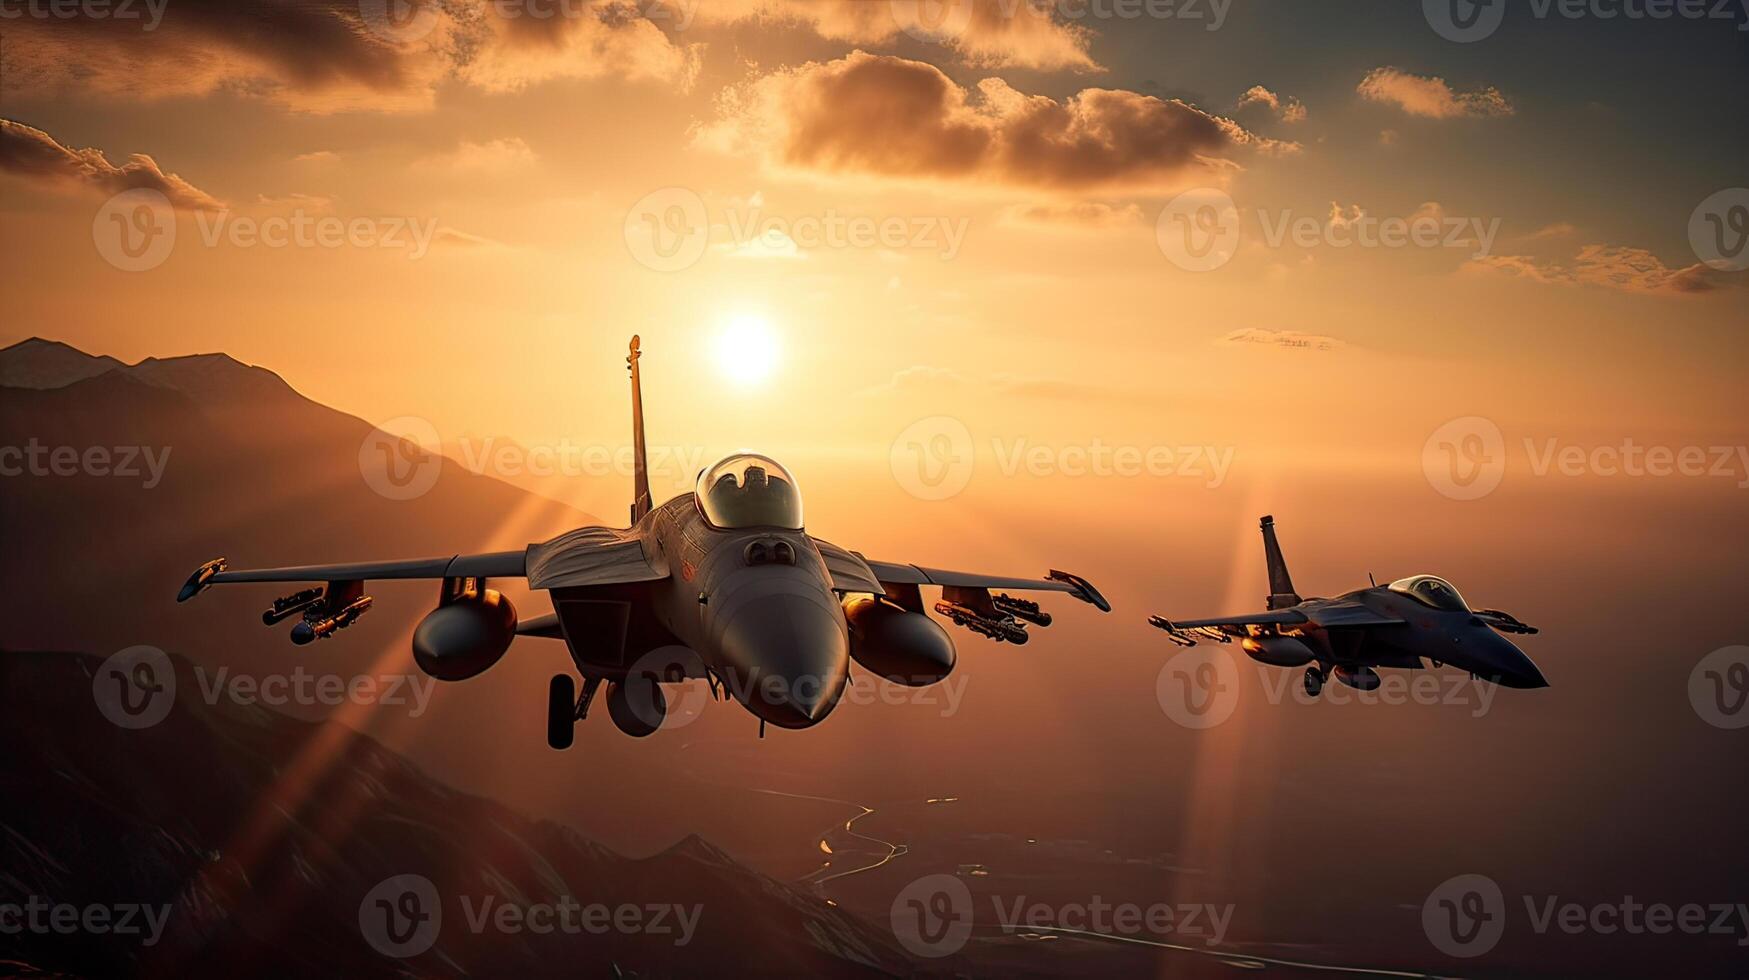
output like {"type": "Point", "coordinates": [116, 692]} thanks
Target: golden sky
{"type": "Point", "coordinates": [976, 211]}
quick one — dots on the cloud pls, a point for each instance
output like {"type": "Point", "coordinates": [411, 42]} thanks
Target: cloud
{"type": "Point", "coordinates": [501, 156]}
{"type": "Point", "coordinates": [1286, 339]}
{"type": "Point", "coordinates": [984, 33]}
{"type": "Point", "coordinates": [334, 55]}
{"type": "Point", "coordinates": [1084, 215]}
{"type": "Point", "coordinates": [889, 117]}
{"type": "Point", "coordinates": [1287, 109]}
{"type": "Point", "coordinates": [1431, 98]}
{"type": "Point", "coordinates": [32, 154]}
{"type": "Point", "coordinates": [1632, 270]}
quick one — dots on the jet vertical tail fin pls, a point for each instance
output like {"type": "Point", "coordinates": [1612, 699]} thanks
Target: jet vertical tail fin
{"type": "Point", "coordinates": [640, 471]}
{"type": "Point", "coordinates": [1281, 585]}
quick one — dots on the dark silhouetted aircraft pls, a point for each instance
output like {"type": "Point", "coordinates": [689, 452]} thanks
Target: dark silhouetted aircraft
{"type": "Point", "coordinates": [1398, 625]}
{"type": "Point", "coordinates": [723, 583]}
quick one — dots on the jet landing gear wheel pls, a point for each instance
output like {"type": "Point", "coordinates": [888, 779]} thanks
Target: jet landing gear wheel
{"type": "Point", "coordinates": [1314, 681]}
{"type": "Point", "coordinates": [565, 708]}
{"type": "Point", "coordinates": [561, 711]}
{"type": "Point", "coordinates": [637, 705]}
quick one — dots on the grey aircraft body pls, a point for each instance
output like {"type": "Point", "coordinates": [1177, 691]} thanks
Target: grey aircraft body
{"type": "Point", "coordinates": [1410, 623]}
{"type": "Point", "coordinates": [723, 583]}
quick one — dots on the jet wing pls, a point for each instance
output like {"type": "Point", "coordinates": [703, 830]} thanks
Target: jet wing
{"type": "Point", "coordinates": [497, 564]}
{"type": "Point", "coordinates": [585, 556]}
{"type": "Point", "coordinates": [1332, 615]}
{"type": "Point", "coordinates": [890, 573]}
{"type": "Point", "coordinates": [965, 596]}
{"type": "Point", "coordinates": [1337, 615]}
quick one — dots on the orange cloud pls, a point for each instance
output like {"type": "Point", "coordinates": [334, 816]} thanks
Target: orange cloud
{"type": "Point", "coordinates": [1286, 108]}
{"type": "Point", "coordinates": [32, 154]}
{"type": "Point", "coordinates": [985, 33]}
{"type": "Point", "coordinates": [1430, 97]}
{"type": "Point", "coordinates": [334, 55]}
{"type": "Point", "coordinates": [1631, 270]}
{"type": "Point", "coordinates": [890, 117]}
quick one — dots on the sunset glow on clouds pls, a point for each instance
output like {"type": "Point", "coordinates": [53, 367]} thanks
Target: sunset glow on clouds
{"type": "Point", "coordinates": [986, 186]}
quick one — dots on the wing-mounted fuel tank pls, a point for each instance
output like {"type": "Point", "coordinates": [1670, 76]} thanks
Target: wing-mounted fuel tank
{"type": "Point", "coordinates": [467, 633]}
{"type": "Point", "coordinates": [903, 646]}
{"type": "Point", "coordinates": [1277, 651]}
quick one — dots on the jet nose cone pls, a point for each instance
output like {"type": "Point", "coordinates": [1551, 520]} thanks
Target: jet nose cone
{"type": "Point", "coordinates": [1509, 666]}
{"type": "Point", "coordinates": [789, 654]}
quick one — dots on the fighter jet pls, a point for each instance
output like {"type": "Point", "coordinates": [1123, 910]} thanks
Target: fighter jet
{"type": "Point", "coordinates": [723, 583]}
{"type": "Point", "coordinates": [1414, 619]}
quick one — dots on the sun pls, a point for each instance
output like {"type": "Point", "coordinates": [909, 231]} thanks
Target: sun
{"type": "Point", "coordinates": [746, 349]}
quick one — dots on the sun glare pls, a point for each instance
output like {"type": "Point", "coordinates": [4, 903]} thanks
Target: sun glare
{"type": "Point", "coordinates": [746, 349]}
